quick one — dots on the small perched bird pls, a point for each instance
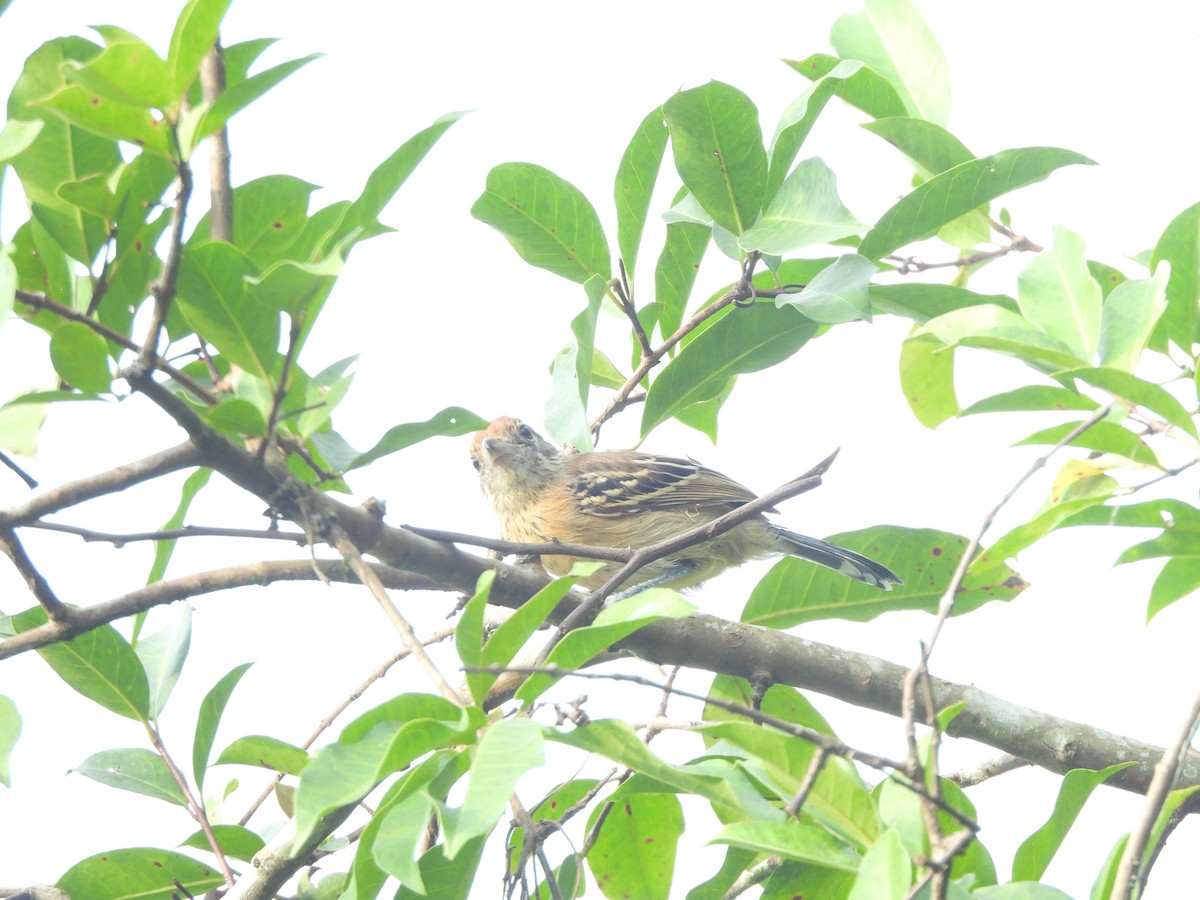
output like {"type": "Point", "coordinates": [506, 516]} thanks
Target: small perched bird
{"type": "Point", "coordinates": [623, 498]}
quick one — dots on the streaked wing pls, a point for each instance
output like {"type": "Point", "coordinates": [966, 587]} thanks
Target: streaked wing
{"type": "Point", "coordinates": [623, 482]}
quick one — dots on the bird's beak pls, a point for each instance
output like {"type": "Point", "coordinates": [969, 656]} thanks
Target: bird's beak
{"type": "Point", "coordinates": [497, 448]}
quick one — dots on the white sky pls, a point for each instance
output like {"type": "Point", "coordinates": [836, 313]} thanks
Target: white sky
{"type": "Point", "coordinates": [443, 313]}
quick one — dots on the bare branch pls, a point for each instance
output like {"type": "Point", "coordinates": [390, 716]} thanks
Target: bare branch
{"type": "Point", "coordinates": [1130, 874]}
{"type": "Point", "coordinates": [56, 610]}
{"type": "Point", "coordinates": [212, 85]}
{"type": "Point", "coordinates": [171, 534]}
{"type": "Point", "coordinates": [183, 456]}
{"type": "Point", "coordinates": [163, 287]}
{"type": "Point", "coordinates": [1005, 762]}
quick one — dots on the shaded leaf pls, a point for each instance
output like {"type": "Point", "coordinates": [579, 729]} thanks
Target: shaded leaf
{"type": "Point", "coordinates": [548, 221]}
{"type": "Point", "coordinates": [135, 769]}
{"type": "Point", "coordinates": [718, 147]}
{"type": "Point", "coordinates": [450, 422]}
{"type": "Point", "coordinates": [744, 340]}
{"type": "Point", "coordinates": [636, 176]}
{"type": "Point", "coordinates": [959, 190]}
{"type": "Point", "coordinates": [805, 210]}
{"type": "Point", "coordinates": [676, 271]}
{"type": "Point", "coordinates": [80, 357]}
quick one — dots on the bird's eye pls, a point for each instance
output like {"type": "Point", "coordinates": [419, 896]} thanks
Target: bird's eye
{"type": "Point", "coordinates": [525, 433]}
{"type": "Point", "coordinates": [475, 463]}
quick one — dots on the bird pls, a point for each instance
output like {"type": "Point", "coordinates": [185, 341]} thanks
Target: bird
{"type": "Point", "coordinates": [630, 499]}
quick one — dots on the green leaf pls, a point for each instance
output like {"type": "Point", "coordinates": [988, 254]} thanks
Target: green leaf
{"type": "Point", "coordinates": [235, 841]}
{"type": "Point", "coordinates": [446, 879]}
{"type": "Point", "coordinates": [718, 148]}
{"type": "Point", "coordinates": [236, 417]}
{"type": "Point", "coordinates": [927, 378]}
{"type": "Point", "coordinates": [194, 35]}
{"type": "Point", "coordinates": [805, 210]}
{"type": "Point", "coordinates": [127, 71]}
{"type": "Point", "coordinates": [1000, 329]}
{"type": "Point", "coordinates": [636, 176]}
{"type": "Point", "coordinates": [744, 340]}
{"type": "Point", "coordinates": [137, 770]}
{"type": "Point", "coordinates": [377, 743]}
{"type": "Point", "coordinates": [617, 741]}
{"type": "Point", "coordinates": [214, 298]}
{"type": "Point", "coordinates": [163, 549]}
{"type": "Point", "coordinates": [107, 118]}
{"type": "Point", "coordinates": [10, 730]}
{"type": "Point", "coordinates": [8, 282]}
{"type": "Point", "coordinates": [571, 375]}
{"type": "Point", "coordinates": [1179, 245]}
{"type": "Point", "coordinates": [614, 623]}
{"type": "Point", "coordinates": [703, 415]}
{"type": "Point", "coordinates": [959, 190]}
{"type": "Point", "coordinates": [798, 119]}
{"type": "Point", "coordinates": [163, 655]}
{"type": "Point", "coordinates": [931, 147]}
{"type": "Point", "coordinates": [199, 124]}
{"type": "Point", "coordinates": [267, 752]}
{"type": "Point", "coordinates": [269, 215]}
{"type": "Point", "coordinates": [99, 664]}
{"type": "Point", "coordinates": [450, 422]}
{"type": "Point", "coordinates": [468, 637]}
{"type": "Point", "coordinates": [676, 271]}
{"type": "Point", "coordinates": [143, 873]}
{"type": "Point", "coordinates": [1031, 398]}
{"type": "Point", "coordinates": [1103, 437]}
{"type": "Point", "coordinates": [793, 839]}
{"type": "Point", "coordinates": [19, 426]}
{"type": "Point", "coordinates": [796, 590]}
{"type": "Point", "coordinates": [634, 851]}
{"type": "Point", "coordinates": [1178, 578]}
{"type": "Point", "coordinates": [506, 751]}
{"type": "Point", "coordinates": [1036, 851]}
{"type": "Point", "coordinates": [16, 137]}
{"type": "Point", "coordinates": [1131, 312]}
{"type": "Point", "coordinates": [1058, 294]}
{"type": "Point", "coordinates": [80, 357]}
{"type": "Point", "coordinates": [885, 871]}
{"type": "Point", "coordinates": [922, 302]}
{"type": "Point", "coordinates": [508, 639]}
{"type": "Point", "coordinates": [865, 89]}
{"type": "Point", "coordinates": [1129, 387]}
{"type": "Point", "coordinates": [209, 717]}
{"type": "Point", "coordinates": [146, 873]}
{"type": "Point", "coordinates": [60, 153]}
{"type": "Point", "coordinates": [836, 294]}
{"type": "Point", "coordinates": [548, 221]}
{"type": "Point", "coordinates": [891, 37]}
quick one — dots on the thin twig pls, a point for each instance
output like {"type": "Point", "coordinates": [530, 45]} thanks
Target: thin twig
{"type": "Point", "coordinates": [171, 534]}
{"type": "Point", "coordinates": [522, 548]}
{"type": "Point", "coordinates": [196, 807]}
{"type": "Point", "coordinates": [1005, 762]}
{"type": "Point", "coordinates": [820, 755]}
{"type": "Point", "coordinates": [1130, 874]}
{"type": "Point", "coordinates": [908, 264]}
{"type": "Point", "coordinates": [163, 287]}
{"type": "Point", "coordinates": [9, 463]}
{"type": "Point", "coordinates": [371, 581]}
{"type": "Point", "coordinates": [328, 720]}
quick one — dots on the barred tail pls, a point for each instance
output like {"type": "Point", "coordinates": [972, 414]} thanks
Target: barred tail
{"type": "Point", "coordinates": [823, 553]}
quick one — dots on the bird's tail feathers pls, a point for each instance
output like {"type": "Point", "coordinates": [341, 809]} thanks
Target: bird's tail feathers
{"type": "Point", "coordinates": [823, 553]}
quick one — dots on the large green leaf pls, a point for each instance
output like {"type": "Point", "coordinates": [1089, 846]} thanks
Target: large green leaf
{"type": "Point", "coordinates": [99, 664]}
{"type": "Point", "coordinates": [1037, 850]}
{"type": "Point", "coordinates": [864, 89]}
{"type": "Point", "coordinates": [676, 271]}
{"type": "Point", "coordinates": [636, 176]}
{"type": "Point", "coordinates": [127, 71]}
{"type": "Point", "coordinates": [269, 214]}
{"type": "Point", "coordinates": [798, 119]}
{"type": "Point", "coordinates": [959, 190]}
{"type": "Point", "coordinates": [634, 851]}
{"type": "Point", "coordinates": [838, 293]}
{"type": "Point", "coordinates": [927, 379]}
{"type": "Point", "coordinates": [892, 38]}
{"type": "Point", "coordinates": [215, 299]}
{"type": "Point", "coordinates": [744, 340]}
{"type": "Point", "coordinates": [800, 840]}
{"type": "Point", "coordinates": [268, 752]}
{"type": "Point", "coordinates": [209, 717]}
{"type": "Point", "coordinates": [195, 33]}
{"type": "Point", "coordinates": [163, 654]}
{"type": "Point", "coordinates": [164, 549]}
{"type": "Point", "coordinates": [80, 357]}
{"type": "Point", "coordinates": [931, 147]}
{"type": "Point", "coordinates": [1058, 294]}
{"type": "Point", "coordinates": [548, 221]}
{"type": "Point", "coordinates": [146, 873]}
{"type": "Point", "coordinates": [1136, 390]}
{"type": "Point", "coordinates": [1179, 245]}
{"type": "Point", "coordinates": [110, 119]}
{"type": "Point", "coordinates": [805, 210]}
{"type": "Point", "coordinates": [796, 591]}
{"type": "Point", "coordinates": [450, 422]}
{"type": "Point", "coordinates": [922, 302]}
{"type": "Point", "coordinates": [134, 769]}
{"type": "Point", "coordinates": [718, 146]}
{"type": "Point", "coordinates": [1131, 311]}
{"type": "Point", "coordinates": [1103, 437]}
